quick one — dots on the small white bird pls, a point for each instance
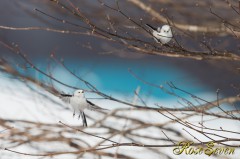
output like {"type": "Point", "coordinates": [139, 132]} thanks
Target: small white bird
{"type": "Point", "coordinates": [78, 102]}
{"type": "Point", "coordinates": [163, 35]}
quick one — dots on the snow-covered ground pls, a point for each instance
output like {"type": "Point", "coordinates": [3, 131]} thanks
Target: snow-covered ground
{"type": "Point", "coordinates": [23, 103]}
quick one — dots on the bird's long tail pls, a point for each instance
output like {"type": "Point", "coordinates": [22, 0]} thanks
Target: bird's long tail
{"type": "Point", "coordinates": [151, 27]}
{"type": "Point", "coordinates": [83, 119]}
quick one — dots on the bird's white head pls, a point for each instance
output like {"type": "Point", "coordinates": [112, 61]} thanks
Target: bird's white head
{"type": "Point", "coordinates": [166, 29]}
{"type": "Point", "coordinates": [79, 93]}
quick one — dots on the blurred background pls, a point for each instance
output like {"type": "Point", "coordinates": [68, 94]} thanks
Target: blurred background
{"type": "Point", "coordinates": [108, 64]}
{"type": "Point", "coordinates": [105, 64]}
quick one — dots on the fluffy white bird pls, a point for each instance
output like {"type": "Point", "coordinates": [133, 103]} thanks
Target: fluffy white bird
{"type": "Point", "coordinates": [163, 35]}
{"type": "Point", "coordinates": [78, 102]}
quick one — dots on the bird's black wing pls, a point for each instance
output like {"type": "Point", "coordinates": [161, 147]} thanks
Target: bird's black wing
{"type": "Point", "coordinates": [93, 106]}
{"type": "Point", "coordinates": [65, 97]}
{"type": "Point", "coordinates": [151, 27]}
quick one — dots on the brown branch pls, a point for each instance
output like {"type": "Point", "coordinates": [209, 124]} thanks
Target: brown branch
{"type": "Point", "coordinates": [186, 27]}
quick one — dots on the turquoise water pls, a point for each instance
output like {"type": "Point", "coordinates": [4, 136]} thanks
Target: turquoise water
{"type": "Point", "coordinates": [112, 76]}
